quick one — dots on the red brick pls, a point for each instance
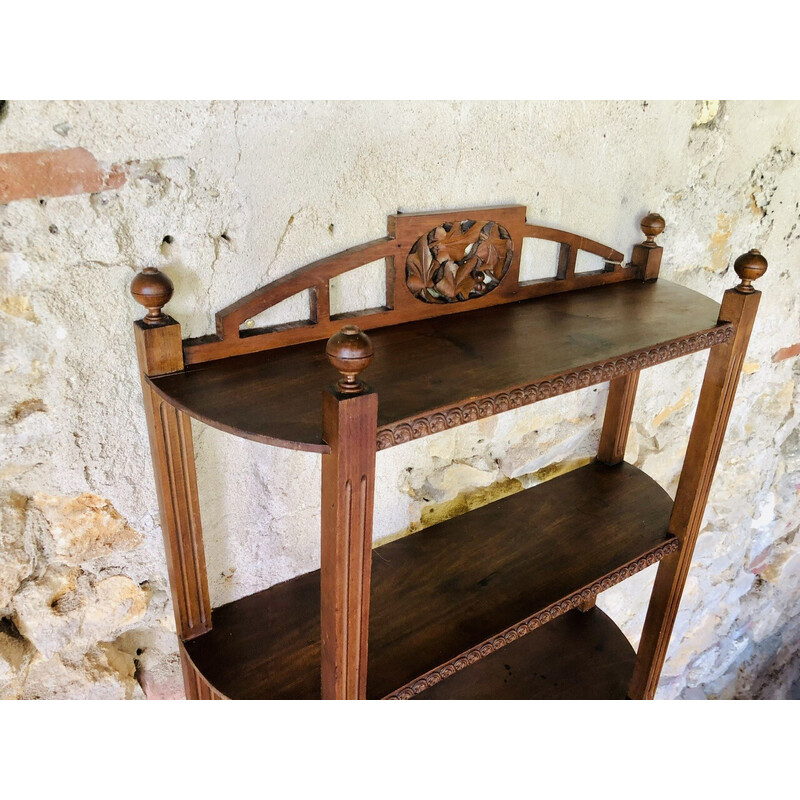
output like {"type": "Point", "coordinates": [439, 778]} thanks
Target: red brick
{"type": "Point", "coordinates": [54, 173]}
{"type": "Point", "coordinates": [787, 352]}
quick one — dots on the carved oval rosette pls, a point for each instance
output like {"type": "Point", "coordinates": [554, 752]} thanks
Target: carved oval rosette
{"type": "Point", "coordinates": [457, 261]}
{"type": "Point", "coordinates": [530, 624]}
{"type": "Point", "coordinates": [407, 430]}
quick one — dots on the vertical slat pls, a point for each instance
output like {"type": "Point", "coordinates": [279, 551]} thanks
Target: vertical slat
{"type": "Point", "coordinates": [711, 419]}
{"type": "Point", "coordinates": [391, 278]}
{"type": "Point", "coordinates": [567, 256]}
{"type": "Point", "coordinates": [617, 421]}
{"type": "Point", "coordinates": [349, 425]}
{"type": "Point", "coordinates": [322, 302]}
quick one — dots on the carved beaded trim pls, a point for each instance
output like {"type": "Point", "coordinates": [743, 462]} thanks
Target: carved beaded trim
{"type": "Point", "coordinates": [530, 624]}
{"type": "Point", "coordinates": [405, 431]}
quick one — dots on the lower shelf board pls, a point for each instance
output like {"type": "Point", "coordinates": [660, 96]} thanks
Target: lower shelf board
{"type": "Point", "coordinates": [455, 595]}
{"type": "Point", "coordinates": [579, 656]}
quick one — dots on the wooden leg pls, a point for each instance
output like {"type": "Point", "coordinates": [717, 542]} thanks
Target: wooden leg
{"type": "Point", "coordinates": [614, 436]}
{"type": "Point", "coordinates": [711, 419]}
{"type": "Point", "coordinates": [160, 351]}
{"type": "Point", "coordinates": [588, 605]}
{"type": "Point", "coordinates": [348, 478]}
{"type": "Point", "coordinates": [176, 483]}
{"type": "Point", "coordinates": [617, 422]}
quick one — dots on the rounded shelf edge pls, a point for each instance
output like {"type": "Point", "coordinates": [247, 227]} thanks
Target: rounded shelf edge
{"type": "Point", "coordinates": [202, 688]}
{"type": "Point", "coordinates": [286, 444]}
{"type": "Point", "coordinates": [580, 656]}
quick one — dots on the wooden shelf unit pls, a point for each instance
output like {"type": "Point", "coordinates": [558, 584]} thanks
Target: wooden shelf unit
{"type": "Point", "coordinates": [497, 603]}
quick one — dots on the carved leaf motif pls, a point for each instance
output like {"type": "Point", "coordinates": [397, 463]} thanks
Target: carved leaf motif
{"type": "Point", "coordinates": [414, 273]}
{"type": "Point", "coordinates": [447, 284]}
{"type": "Point", "coordinates": [457, 261]}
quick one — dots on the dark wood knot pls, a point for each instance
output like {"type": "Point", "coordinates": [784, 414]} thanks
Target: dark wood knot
{"type": "Point", "coordinates": [350, 351]}
{"type": "Point", "coordinates": [652, 225]}
{"type": "Point", "coordinates": [749, 267]}
{"type": "Point", "coordinates": [152, 289]}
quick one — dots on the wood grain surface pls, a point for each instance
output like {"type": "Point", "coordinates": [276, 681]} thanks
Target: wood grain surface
{"type": "Point", "coordinates": [576, 657]}
{"type": "Point", "coordinates": [429, 366]}
{"type": "Point", "coordinates": [447, 589]}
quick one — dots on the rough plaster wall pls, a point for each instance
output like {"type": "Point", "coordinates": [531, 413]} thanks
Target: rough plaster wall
{"type": "Point", "coordinates": [251, 191]}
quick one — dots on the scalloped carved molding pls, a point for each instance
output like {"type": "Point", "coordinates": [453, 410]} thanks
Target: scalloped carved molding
{"type": "Point", "coordinates": [447, 670]}
{"type": "Point", "coordinates": [437, 421]}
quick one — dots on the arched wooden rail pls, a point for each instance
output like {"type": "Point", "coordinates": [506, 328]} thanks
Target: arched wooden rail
{"type": "Point", "coordinates": [405, 230]}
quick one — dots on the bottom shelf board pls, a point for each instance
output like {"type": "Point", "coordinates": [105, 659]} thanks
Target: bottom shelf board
{"type": "Point", "coordinates": [448, 592]}
{"type": "Point", "coordinates": [579, 656]}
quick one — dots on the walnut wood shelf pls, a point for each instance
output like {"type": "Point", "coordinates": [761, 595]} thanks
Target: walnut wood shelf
{"type": "Point", "coordinates": [452, 592]}
{"type": "Point", "coordinates": [453, 369]}
{"type": "Point", "coordinates": [579, 656]}
{"type": "Point", "coordinates": [498, 603]}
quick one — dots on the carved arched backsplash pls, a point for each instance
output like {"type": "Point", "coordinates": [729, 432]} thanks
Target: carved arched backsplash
{"type": "Point", "coordinates": [437, 263]}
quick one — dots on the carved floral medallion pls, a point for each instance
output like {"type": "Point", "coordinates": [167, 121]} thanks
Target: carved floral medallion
{"type": "Point", "coordinates": [457, 261]}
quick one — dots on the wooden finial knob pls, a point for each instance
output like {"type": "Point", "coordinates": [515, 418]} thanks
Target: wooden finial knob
{"type": "Point", "coordinates": [749, 267]}
{"type": "Point", "coordinates": [153, 289]}
{"type": "Point", "coordinates": [350, 351]}
{"type": "Point", "coordinates": [652, 225]}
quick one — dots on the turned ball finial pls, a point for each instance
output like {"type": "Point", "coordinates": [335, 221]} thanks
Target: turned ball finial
{"type": "Point", "coordinates": [350, 351]}
{"type": "Point", "coordinates": [749, 267]}
{"type": "Point", "coordinates": [153, 289]}
{"type": "Point", "coordinates": [652, 225]}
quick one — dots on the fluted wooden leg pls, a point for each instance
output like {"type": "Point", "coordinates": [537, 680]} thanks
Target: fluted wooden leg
{"type": "Point", "coordinates": [617, 422]}
{"type": "Point", "coordinates": [711, 419]}
{"type": "Point", "coordinates": [176, 484]}
{"type": "Point", "coordinates": [170, 433]}
{"type": "Point", "coordinates": [348, 477]}
{"type": "Point", "coordinates": [349, 426]}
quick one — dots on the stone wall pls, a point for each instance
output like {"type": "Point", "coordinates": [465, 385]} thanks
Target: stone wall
{"type": "Point", "coordinates": [227, 196]}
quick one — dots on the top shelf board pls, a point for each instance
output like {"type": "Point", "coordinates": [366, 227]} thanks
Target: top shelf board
{"type": "Point", "coordinates": [439, 373]}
